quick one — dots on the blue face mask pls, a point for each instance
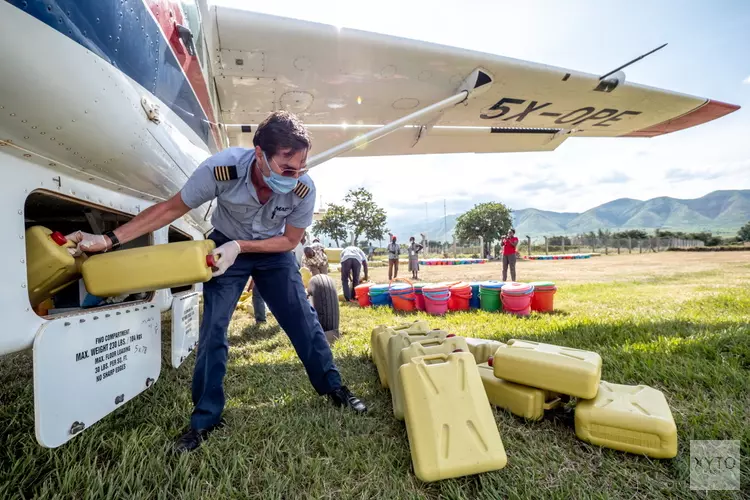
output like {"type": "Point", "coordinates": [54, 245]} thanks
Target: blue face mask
{"type": "Point", "coordinates": [277, 182]}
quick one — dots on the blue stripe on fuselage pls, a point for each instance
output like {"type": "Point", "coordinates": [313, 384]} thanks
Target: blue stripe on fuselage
{"type": "Point", "coordinates": [124, 33]}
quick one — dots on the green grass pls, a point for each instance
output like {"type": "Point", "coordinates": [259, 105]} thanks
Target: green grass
{"type": "Point", "coordinates": [685, 334]}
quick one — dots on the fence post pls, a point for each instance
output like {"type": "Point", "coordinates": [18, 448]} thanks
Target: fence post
{"type": "Point", "coordinates": [562, 244]}
{"type": "Point", "coordinates": [606, 247]}
{"type": "Point", "coordinates": [640, 245]}
{"type": "Point", "coordinates": [528, 238]}
{"type": "Point", "coordinates": [618, 246]}
{"type": "Point", "coordinates": [630, 244]}
{"type": "Point", "coordinates": [593, 245]}
{"type": "Point", "coordinates": [546, 246]}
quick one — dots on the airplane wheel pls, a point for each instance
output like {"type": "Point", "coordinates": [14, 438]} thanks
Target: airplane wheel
{"type": "Point", "coordinates": [325, 300]}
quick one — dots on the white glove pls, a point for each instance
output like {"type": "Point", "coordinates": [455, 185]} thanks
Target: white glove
{"type": "Point", "coordinates": [224, 256]}
{"type": "Point", "coordinates": [85, 242]}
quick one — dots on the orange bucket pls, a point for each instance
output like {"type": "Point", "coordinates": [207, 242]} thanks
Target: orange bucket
{"type": "Point", "coordinates": [402, 296]}
{"type": "Point", "coordinates": [362, 292]}
{"type": "Point", "coordinates": [543, 300]}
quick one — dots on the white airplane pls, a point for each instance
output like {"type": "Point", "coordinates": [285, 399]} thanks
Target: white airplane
{"type": "Point", "coordinates": [107, 107]}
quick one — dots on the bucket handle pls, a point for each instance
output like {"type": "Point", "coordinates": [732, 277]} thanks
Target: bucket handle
{"type": "Point", "coordinates": [390, 284]}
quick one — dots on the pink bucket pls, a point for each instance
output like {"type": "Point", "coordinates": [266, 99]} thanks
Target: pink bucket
{"type": "Point", "coordinates": [517, 304]}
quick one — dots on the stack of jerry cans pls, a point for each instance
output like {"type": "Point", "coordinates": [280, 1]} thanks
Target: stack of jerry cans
{"type": "Point", "coordinates": [451, 429]}
{"type": "Point", "coordinates": [483, 349]}
{"type": "Point", "coordinates": [402, 340]}
{"type": "Point", "coordinates": [416, 349]}
{"type": "Point", "coordinates": [379, 343]}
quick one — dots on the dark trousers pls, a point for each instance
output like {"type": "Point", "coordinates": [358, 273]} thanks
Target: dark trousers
{"type": "Point", "coordinates": [350, 267]}
{"type": "Point", "coordinates": [277, 279]}
{"type": "Point", "coordinates": [509, 260]}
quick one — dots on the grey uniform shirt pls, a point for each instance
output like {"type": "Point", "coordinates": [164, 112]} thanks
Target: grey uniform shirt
{"type": "Point", "coordinates": [238, 214]}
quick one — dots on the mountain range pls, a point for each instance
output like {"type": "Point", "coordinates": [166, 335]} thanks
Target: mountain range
{"type": "Point", "coordinates": [720, 212]}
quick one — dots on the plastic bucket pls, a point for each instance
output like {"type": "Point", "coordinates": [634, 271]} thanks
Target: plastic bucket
{"type": "Point", "coordinates": [543, 299]}
{"type": "Point", "coordinates": [474, 301]}
{"type": "Point", "coordinates": [379, 295]}
{"type": "Point", "coordinates": [418, 298]}
{"type": "Point", "coordinates": [436, 298]}
{"type": "Point", "coordinates": [402, 295]}
{"type": "Point", "coordinates": [362, 293]}
{"type": "Point", "coordinates": [460, 295]}
{"type": "Point", "coordinates": [489, 295]}
{"type": "Point", "coordinates": [436, 307]}
{"type": "Point", "coordinates": [517, 304]}
{"type": "Point", "coordinates": [517, 298]}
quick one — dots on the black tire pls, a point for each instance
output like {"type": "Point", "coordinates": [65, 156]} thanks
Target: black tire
{"type": "Point", "coordinates": [325, 300]}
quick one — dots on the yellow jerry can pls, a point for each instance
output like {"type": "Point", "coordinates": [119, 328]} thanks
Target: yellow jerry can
{"type": "Point", "coordinates": [379, 344]}
{"type": "Point", "coordinates": [418, 326]}
{"type": "Point", "coordinates": [452, 431]}
{"type": "Point", "coordinates": [631, 418]}
{"type": "Point", "coordinates": [148, 268]}
{"type": "Point", "coordinates": [420, 348]}
{"type": "Point", "coordinates": [482, 349]}
{"type": "Point", "coordinates": [521, 400]}
{"type": "Point", "coordinates": [551, 367]}
{"type": "Point", "coordinates": [401, 340]}
{"type": "Point", "coordinates": [306, 275]}
{"type": "Point", "coordinates": [49, 265]}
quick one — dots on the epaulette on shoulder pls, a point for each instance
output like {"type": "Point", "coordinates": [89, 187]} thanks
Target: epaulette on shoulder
{"type": "Point", "coordinates": [225, 172]}
{"type": "Point", "coordinates": [301, 189]}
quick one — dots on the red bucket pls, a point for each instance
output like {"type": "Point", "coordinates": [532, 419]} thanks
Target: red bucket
{"type": "Point", "coordinates": [459, 297]}
{"type": "Point", "coordinates": [517, 304]}
{"type": "Point", "coordinates": [362, 292]}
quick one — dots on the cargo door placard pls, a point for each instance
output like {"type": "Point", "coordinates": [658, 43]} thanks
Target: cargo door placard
{"type": "Point", "coordinates": [87, 366]}
{"type": "Point", "coordinates": [185, 324]}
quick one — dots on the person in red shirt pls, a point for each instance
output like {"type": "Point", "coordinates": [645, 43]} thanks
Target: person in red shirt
{"type": "Point", "coordinates": [510, 243]}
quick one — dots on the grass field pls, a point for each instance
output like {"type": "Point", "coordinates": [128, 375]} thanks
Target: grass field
{"type": "Point", "coordinates": [676, 322]}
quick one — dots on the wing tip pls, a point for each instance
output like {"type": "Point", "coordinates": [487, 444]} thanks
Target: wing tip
{"type": "Point", "coordinates": [708, 111]}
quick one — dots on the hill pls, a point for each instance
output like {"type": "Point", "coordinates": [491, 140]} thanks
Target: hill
{"type": "Point", "coordinates": [720, 212]}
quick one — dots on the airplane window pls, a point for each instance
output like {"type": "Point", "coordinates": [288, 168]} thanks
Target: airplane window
{"type": "Point", "coordinates": [193, 20]}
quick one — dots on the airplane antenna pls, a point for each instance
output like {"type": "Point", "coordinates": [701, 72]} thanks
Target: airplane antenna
{"type": "Point", "coordinates": [631, 62]}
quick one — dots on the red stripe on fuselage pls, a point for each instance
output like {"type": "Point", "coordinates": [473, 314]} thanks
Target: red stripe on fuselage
{"type": "Point", "coordinates": [167, 14]}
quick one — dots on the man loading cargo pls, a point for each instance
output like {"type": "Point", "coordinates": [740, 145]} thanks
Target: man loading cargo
{"type": "Point", "coordinates": [265, 201]}
{"type": "Point", "coordinates": [353, 260]}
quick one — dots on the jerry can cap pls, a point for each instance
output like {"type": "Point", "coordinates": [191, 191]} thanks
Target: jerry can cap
{"type": "Point", "coordinates": [490, 360]}
{"type": "Point", "coordinates": [59, 238]}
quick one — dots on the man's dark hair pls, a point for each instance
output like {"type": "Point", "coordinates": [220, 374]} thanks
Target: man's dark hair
{"type": "Point", "coordinates": [512, 230]}
{"type": "Point", "coordinates": [281, 130]}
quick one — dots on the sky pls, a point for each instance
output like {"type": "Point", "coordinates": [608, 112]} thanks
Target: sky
{"type": "Point", "coordinates": [707, 56]}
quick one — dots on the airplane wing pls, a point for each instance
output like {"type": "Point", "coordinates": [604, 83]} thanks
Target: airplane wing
{"type": "Point", "coordinates": [344, 83]}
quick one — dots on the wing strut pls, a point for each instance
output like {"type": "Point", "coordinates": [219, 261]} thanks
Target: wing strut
{"type": "Point", "coordinates": [477, 82]}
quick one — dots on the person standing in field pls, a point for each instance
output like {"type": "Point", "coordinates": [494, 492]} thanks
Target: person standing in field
{"type": "Point", "coordinates": [414, 249]}
{"type": "Point", "coordinates": [510, 244]}
{"type": "Point", "coordinates": [393, 252]}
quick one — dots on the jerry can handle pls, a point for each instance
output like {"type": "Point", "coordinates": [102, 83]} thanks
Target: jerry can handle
{"type": "Point", "coordinates": [548, 405]}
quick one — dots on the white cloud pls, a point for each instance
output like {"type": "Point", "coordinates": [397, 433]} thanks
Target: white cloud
{"type": "Point", "coordinates": [746, 80]}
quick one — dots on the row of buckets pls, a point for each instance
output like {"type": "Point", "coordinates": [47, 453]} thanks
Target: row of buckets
{"type": "Point", "coordinates": [437, 299]}
{"type": "Point", "coordinates": [558, 257]}
{"type": "Point", "coordinates": [451, 262]}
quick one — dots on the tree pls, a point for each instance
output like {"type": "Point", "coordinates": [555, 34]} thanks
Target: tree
{"type": "Point", "coordinates": [333, 223]}
{"type": "Point", "coordinates": [744, 233]}
{"type": "Point", "coordinates": [364, 216]}
{"type": "Point", "coordinates": [487, 220]}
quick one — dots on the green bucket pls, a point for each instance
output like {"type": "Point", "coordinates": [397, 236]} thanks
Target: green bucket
{"type": "Point", "coordinates": [489, 299]}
